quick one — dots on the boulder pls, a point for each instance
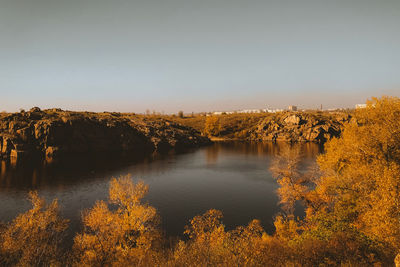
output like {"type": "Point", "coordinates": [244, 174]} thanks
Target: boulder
{"type": "Point", "coordinates": [293, 119]}
{"type": "Point", "coordinates": [35, 109]}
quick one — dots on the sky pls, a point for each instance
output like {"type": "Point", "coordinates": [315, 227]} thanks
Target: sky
{"type": "Point", "coordinates": [197, 55]}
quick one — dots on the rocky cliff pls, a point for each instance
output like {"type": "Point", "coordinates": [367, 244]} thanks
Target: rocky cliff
{"type": "Point", "coordinates": [56, 132]}
{"type": "Point", "coordinates": [299, 127]}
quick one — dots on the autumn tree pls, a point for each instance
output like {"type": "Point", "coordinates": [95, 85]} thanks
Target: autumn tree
{"type": "Point", "coordinates": [250, 246]}
{"type": "Point", "coordinates": [210, 245]}
{"type": "Point", "coordinates": [126, 235]}
{"type": "Point", "coordinates": [34, 238]}
{"type": "Point", "coordinates": [208, 241]}
{"type": "Point", "coordinates": [212, 126]}
{"type": "Point", "coordinates": [352, 209]}
{"type": "Point", "coordinates": [361, 184]}
{"type": "Point", "coordinates": [293, 184]}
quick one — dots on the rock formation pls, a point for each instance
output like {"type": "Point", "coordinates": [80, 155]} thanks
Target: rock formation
{"type": "Point", "coordinates": [299, 127]}
{"type": "Point", "coordinates": [56, 132]}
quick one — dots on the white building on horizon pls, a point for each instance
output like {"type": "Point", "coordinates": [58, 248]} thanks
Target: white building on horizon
{"type": "Point", "coordinates": [250, 111]}
{"type": "Point", "coordinates": [358, 106]}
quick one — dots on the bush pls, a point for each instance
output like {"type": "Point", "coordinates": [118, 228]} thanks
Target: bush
{"type": "Point", "coordinates": [129, 235]}
{"type": "Point", "coordinates": [34, 238]}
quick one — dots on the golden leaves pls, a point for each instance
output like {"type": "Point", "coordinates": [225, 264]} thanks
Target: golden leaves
{"type": "Point", "coordinates": [127, 234]}
{"type": "Point", "coordinates": [362, 171]}
{"type": "Point", "coordinates": [211, 245]}
{"type": "Point", "coordinates": [34, 237]}
{"type": "Point", "coordinates": [212, 126]}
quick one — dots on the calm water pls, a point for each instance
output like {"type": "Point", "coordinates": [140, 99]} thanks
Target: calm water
{"type": "Point", "coordinates": [231, 176]}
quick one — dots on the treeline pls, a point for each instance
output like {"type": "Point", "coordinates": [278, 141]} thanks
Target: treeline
{"type": "Point", "coordinates": [351, 203]}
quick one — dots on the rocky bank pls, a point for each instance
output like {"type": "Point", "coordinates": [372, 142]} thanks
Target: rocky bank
{"type": "Point", "coordinates": [56, 132]}
{"type": "Point", "coordinates": [299, 127]}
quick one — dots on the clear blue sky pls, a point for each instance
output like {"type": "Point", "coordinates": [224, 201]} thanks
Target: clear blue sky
{"type": "Point", "coordinates": [203, 55]}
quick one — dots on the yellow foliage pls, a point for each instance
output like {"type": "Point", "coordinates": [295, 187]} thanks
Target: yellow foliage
{"type": "Point", "coordinates": [293, 185]}
{"type": "Point", "coordinates": [211, 245]}
{"type": "Point", "coordinates": [34, 238]}
{"type": "Point", "coordinates": [128, 235]}
{"type": "Point", "coordinates": [212, 126]}
{"type": "Point", "coordinates": [286, 229]}
{"type": "Point", "coordinates": [353, 209]}
{"type": "Point", "coordinates": [362, 169]}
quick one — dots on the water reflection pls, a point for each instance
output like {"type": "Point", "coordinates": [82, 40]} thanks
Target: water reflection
{"type": "Point", "coordinates": [20, 175]}
{"type": "Point", "coordinates": [230, 176]}
{"type": "Point", "coordinates": [308, 150]}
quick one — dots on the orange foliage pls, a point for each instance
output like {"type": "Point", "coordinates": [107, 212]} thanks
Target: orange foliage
{"type": "Point", "coordinates": [212, 126]}
{"type": "Point", "coordinates": [362, 171]}
{"type": "Point", "coordinates": [34, 237]}
{"type": "Point", "coordinates": [293, 184]}
{"type": "Point", "coordinates": [211, 245]}
{"type": "Point", "coordinates": [128, 235]}
{"type": "Point", "coordinates": [352, 210]}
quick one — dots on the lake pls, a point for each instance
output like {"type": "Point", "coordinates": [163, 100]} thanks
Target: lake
{"type": "Point", "coordinates": [233, 177]}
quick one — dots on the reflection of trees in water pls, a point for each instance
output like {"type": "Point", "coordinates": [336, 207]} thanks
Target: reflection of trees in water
{"type": "Point", "coordinates": [212, 154]}
{"type": "Point", "coordinates": [71, 170]}
{"type": "Point", "coordinates": [259, 148]}
{"type": "Point", "coordinates": [75, 169]}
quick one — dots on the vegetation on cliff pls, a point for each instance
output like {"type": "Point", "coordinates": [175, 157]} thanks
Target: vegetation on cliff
{"type": "Point", "coordinates": [351, 206]}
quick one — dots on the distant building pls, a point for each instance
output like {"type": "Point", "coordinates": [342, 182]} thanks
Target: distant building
{"type": "Point", "coordinates": [358, 106]}
{"type": "Point", "coordinates": [292, 108]}
{"type": "Point", "coordinates": [275, 110]}
{"type": "Point", "coordinates": [244, 111]}
{"type": "Point", "coordinates": [252, 111]}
